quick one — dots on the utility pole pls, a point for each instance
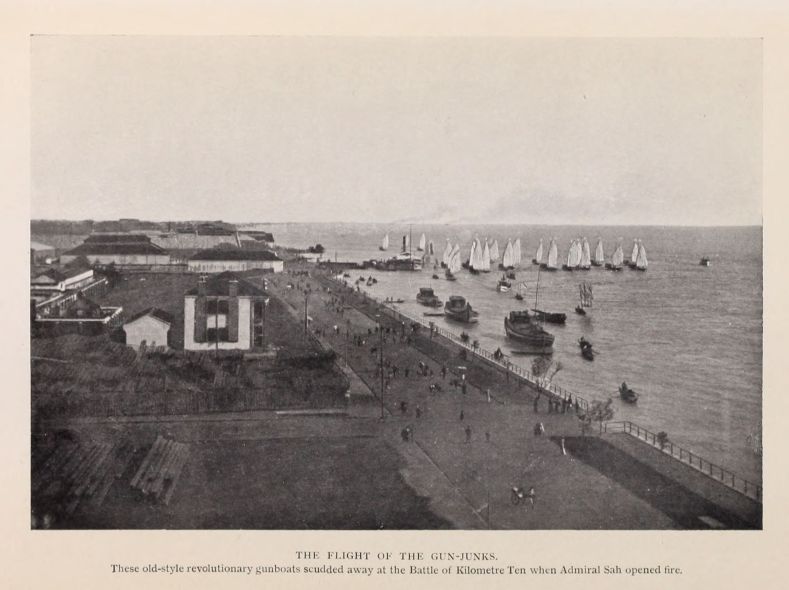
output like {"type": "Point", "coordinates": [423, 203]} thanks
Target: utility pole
{"type": "Point", "coordinates": [381, 364]}
{"type": "Point", "coordinates": [306, 297]}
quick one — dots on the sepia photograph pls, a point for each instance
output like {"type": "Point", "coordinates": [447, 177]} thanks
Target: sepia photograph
{"type": "Point", "coordinates": [396, 283]}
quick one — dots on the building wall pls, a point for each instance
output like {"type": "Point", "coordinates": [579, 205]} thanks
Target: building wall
{"type": "Point", "coordinates": [244, 327]}
{"type": "Point", "coordinates": [212, 266]}
{"type": "Point", "coordinates": [147, 329]}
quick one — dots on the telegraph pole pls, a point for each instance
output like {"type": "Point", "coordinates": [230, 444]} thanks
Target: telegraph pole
{"type": "Point", "coordinates": [306, 297]}
{"type": "Point", "coordinates": [381, 365]}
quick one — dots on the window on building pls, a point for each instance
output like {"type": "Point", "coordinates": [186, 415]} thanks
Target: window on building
{"type": "Point", "coordinates": [216, 335]}
{"type": "Point", "coordinates": [214, 307]}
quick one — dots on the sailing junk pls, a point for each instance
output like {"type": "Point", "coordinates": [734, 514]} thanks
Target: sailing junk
{"type": "Point", "coordinates": [617, 260]}
{"type": "Point", "coordinates": [586, 258]}
{"type": "Point", "coordinates": [599, 254]}
{"type": "Point", "coordinates": [516, 252]}
{"type": "Point", "coordinates": [573, 256]}
{"type": "Point", "coordinates": [508, 260]}
{"type": "Point", "coordinates": [538, 255]}
{"type": "Point", "coordinates": [553, 257]}
{"type": "Point", "coordinates": [384, 244]}
{"type": "Point", "coordinates": [530, 336]}
{"type": "Point", "coordinates": [454, 264]}
{"type": "Point", "coordinates": [641, 258]}
{"type": "Point", "coordinates": [447, 254]}
{"type": "Point", "coordinates": [494, 251]}
{"type": "Point", "coordinates": [422, 241]}
{"type": "Point", "coordinates": [586, 298]}
{"type": "Point", "coordinates": [634, 254]}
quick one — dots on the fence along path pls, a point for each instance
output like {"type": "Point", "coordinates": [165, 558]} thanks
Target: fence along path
{"type": "Point", "coordinates": [708, 468]}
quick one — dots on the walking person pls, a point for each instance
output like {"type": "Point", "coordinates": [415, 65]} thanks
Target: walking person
{"type": "Point", "coordinates": [468, 434]}
{"type": "Point", "coordinates": [531, 495]}
{"type": "Point", "coordinates": [461, 415]}
{"type": "Point", "coordinates": [487, 391]}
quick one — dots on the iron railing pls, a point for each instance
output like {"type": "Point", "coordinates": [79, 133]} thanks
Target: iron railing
{"type": "Point", "coordinates": [708, 468]}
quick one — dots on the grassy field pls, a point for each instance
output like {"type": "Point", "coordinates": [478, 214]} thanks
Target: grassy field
{"type": "Point", "coordinates": [336, 483]}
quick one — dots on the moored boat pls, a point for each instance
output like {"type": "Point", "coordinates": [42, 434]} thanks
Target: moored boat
{"type": "Point", "coordinates": [503, 285]}
{"type": "Point", "coordinates": [532, 338]}
{"type": "Point", "coordinates": [550, 317]}
{"type": "Point", "coordinates": [459, 310]}
{"type": "Point", "coordinates": [627, 394]}
{"type": "Point", "coordinates": [586, 349]}
{"type": "Point", "coordinates": [427, 297]}
{"type": "Point", "coordinates": [705, 261]}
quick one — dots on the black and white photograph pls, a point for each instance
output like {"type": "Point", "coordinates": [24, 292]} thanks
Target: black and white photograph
{"type": "Point", "coordinates": [388, 283]}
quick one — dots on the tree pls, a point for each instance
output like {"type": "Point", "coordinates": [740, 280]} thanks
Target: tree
{"type": "Point", "coordinates": [599, 412]}
{"type": "Point", "coordinates": [544, 370]}
{"type": "Point", "coordinates": [662, 439]}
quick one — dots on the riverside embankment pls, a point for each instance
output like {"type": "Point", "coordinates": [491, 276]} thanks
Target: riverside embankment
{"type": "Point", "coordinates": [483, 445]}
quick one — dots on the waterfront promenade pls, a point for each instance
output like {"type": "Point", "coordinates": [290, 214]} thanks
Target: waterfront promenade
{"type": "Point", "coordinates": [466, 451]}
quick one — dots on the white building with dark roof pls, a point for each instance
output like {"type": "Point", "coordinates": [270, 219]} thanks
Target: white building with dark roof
{"type": "Point", "coordinates": [235, 260]}
{"type": "Point", "coordinates": [150, 327]}
{"type": "Point", "coordinates": [224, 312]}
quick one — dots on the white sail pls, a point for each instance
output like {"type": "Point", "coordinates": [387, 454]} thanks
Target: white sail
{"type": "Point", "coordinates": [538, 254]}
{"type": "Point", "coordinates": [586, 257]}
{"type": "Point", "coordinates": [485, 262]}
{"type": "Point", "coordinates": [422, 242]}
{"type": "Point", "coordinates": [454, 260]}
{"type": "Point", "coordinates": [641, 258]}
{"type": "Point", "coordinates": [471, 254]}
{"type": "Point", "coordinates": [385, 242]}
{"type": "Point", "coordinates": [553, 255]}
{"type": "Point", "coordinates": [599, 253]}
{"type": "Point", "coordinates": [574, 254]}
{"type": "Point", "coordinates": [477, 255]}
{"type": "Point", "coordinates": [634, 254]}
{"type": "Point", "coordinates": [507, 259]}
{"type": "Point", "coordinates": [494, 251]}
{"type": "Point", "coordinates": [447, 253]}
{"type": "Point", "coordinates": [516, 251]}
{"type": "Point", "coordinates": [619, 256]}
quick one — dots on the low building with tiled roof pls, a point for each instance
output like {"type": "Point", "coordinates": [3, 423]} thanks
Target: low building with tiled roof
{"type": "Point", "coordinates": [235, 259]}
{"type": "Point", "coordinates": [118, 249]}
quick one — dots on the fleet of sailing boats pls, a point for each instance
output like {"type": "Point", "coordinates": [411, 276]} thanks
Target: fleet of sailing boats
{"type": "Point", "coordinates": [525, 327]}
{"type": "Point", "coordinates": [485, 254]}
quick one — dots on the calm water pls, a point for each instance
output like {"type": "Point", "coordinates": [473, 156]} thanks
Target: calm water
{"type": "Point", "coordinates": [686, 337]}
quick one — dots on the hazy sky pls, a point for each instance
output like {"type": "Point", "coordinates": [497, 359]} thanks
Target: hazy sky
{"type": "Point", "coordinates": [593, 131]}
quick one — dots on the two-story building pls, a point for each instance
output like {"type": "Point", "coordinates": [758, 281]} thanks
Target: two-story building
{"type": "Point", "coordinates": [224, 312]}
